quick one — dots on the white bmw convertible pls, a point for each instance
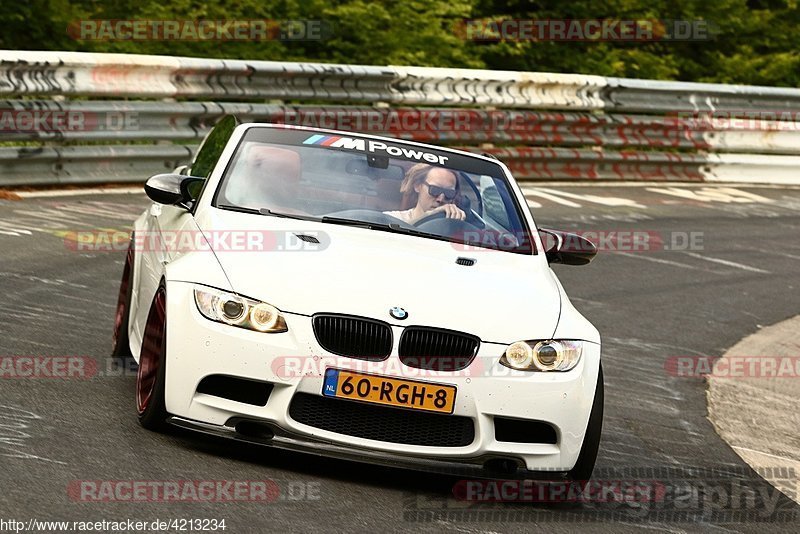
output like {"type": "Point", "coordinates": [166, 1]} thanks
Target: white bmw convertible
{"type": "Point", "coordinates": [360, 297]}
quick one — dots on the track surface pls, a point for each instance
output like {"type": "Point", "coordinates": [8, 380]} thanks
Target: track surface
{"type": "Point", "coordinates": [648, 305]}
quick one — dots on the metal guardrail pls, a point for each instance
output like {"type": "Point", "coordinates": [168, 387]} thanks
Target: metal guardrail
{"type": "Point", "coordinates": [122, 75]}
{"type": "Point", "coordinates": [652, 96]}
{"type": "Point", "coordinates": [21, 166]}
{"type": "Point", "coordinates": [117, 117]}
{"type": "Point", "coordinates": [106, 120]}
{"type": "Point", "coordinates": [179, 121]}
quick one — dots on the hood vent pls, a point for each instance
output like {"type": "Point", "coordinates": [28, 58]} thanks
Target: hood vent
{"type": "Point", "coordinates": [466, 261]}
{"type": "Point", "coordinates": [307, 238]}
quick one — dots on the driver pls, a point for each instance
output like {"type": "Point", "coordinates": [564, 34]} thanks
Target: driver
{"type": "Point", "coordinates": [436, 190]}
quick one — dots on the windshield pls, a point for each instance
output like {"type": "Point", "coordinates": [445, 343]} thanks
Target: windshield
{"type": "Point", "coordinates": [386, 185]}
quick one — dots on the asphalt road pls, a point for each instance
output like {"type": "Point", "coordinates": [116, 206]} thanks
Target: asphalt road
{"type": "Point", "coordinates": [730, 268]}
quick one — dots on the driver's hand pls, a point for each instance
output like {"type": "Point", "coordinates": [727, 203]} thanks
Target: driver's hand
{"type": "Point", "coordinates": [451, 211]}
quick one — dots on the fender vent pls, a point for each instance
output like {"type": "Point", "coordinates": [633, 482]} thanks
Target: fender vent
{"type": "Point", "coordinates": [465, 261]}
{"type": "Point", "coordinates": [307, 238]}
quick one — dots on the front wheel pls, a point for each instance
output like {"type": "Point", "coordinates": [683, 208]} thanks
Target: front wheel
{"type": "Point", "coordinates": [151, 376]}
{"type": "Point", "coordinates": [121, 343]}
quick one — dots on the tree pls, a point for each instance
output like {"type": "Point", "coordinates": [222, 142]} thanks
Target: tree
{"type": "Point", "coordinates": [751, 41]}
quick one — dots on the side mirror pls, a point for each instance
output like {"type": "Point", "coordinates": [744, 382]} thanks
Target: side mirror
{"type": "Point", "coordinates": [171, 189]}
{"type": "Point", "coordinates": [567, 248]}
{"type": "Point", "coordinates": [191, 187]}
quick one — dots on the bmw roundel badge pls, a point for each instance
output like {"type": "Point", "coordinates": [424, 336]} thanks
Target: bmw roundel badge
{"type": "Point", "coordinates": [398, 313]}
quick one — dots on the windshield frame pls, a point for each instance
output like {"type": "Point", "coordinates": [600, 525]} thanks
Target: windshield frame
{"type": "Point", "coordinates": [522, 214]}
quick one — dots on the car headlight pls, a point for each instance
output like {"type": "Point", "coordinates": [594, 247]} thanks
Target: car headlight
{"type": "Point", "coordinates": [550, 355]}
{"type": "Point", "coordinates": [232, 309]}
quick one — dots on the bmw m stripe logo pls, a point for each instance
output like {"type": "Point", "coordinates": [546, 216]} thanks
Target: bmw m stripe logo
{"type": "Point", "coordinates": [322, 140]}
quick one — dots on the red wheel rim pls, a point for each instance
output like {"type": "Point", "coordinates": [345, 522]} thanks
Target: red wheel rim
{"type": "Point", "coordinates": [152, 348]}
{"type": "Point", "coordinates": [122, 300]}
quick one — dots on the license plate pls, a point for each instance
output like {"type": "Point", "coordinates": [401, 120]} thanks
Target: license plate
{"type": "Point", "coordinates": [389, 391]}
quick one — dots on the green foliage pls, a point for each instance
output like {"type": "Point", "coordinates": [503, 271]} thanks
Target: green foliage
{"type": "Point", "coordinates": [752, 42]}
{"type": "Point", "coordinates": [212, 147]}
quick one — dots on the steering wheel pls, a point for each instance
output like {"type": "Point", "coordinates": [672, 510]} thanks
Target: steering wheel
{"type": "Point", "coordinates": [431, 217]}
{"type": "Point", "coordinates": [471, 219]}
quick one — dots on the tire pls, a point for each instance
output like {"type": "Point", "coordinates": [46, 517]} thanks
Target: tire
{"type": "Point", "coordinates": [121, 351]}
{"type": "Point", "coordinates": [581, 473]}
{"type": "Point", "coordinates": [151, 375]}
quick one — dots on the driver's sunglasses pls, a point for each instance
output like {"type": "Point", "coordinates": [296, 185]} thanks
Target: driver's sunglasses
{"type": "Point", "coordinates": [435, 191]}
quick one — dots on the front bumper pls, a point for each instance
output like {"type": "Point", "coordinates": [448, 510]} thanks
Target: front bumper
{"type": "Point", "coordinates": [294, 362]}
{"type": "Point", "coordinates": [480, 466]}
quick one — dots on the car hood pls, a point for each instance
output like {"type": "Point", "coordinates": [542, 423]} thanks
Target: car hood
{"type": "Point", "coordinates": [503, 297]}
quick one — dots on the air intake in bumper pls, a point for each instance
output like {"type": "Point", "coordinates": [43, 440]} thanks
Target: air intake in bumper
{"type": "Point", "coordinates": [382, 423]}
{"type": "Point", "coordinates": [236, 389]}
{"type": "Point", "coordinates": [522, 431]}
